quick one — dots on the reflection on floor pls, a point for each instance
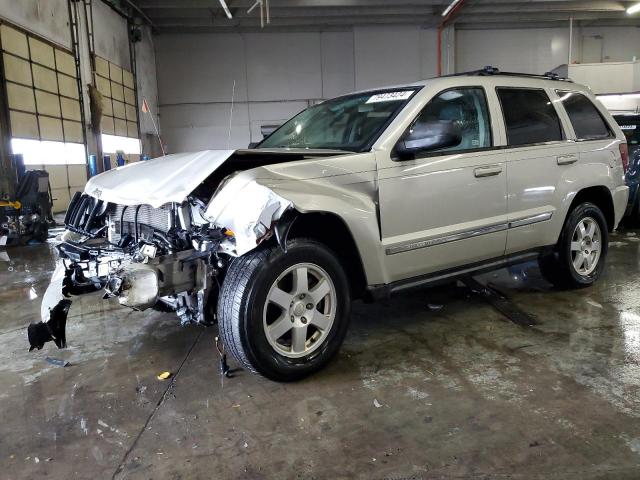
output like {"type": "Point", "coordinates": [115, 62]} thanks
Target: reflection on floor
{"type": "Point", "coordinates": [431, 384]}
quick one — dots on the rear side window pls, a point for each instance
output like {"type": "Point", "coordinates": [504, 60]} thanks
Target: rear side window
{"type": "Point", "coordinates": [529, 116]}
{"type": "Point", "coordinates": [585, 117]}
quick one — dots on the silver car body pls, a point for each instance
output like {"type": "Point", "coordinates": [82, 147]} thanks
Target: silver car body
{"type": "Point", "coordinates": [409, 219]}
{"type": "Point", "coordinates": [442, 212]}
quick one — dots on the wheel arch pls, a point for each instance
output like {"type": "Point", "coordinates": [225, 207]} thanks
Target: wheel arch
{"type": "Point", "coordinates": [332, 231]}
{"type": "Point", "coordinates": [601, 197]}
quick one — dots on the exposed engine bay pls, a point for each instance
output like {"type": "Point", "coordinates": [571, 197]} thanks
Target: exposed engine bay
{"type": "Point", "coordinates": [170, 257]}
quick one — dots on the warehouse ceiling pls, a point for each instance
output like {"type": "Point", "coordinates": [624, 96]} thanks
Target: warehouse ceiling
{"type": "Point", "coordinates": [194, 16]}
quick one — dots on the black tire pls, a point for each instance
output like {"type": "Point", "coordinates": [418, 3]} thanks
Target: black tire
{"type": "Point", "coordinates": [242, 302]}
{"type": "Point", "coordinates": [558, 267]}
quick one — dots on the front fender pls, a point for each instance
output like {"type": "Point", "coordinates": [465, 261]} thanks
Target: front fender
{"type": "Point", "coordinates": [354, 204]}
{"type": "Point", "coordinates": [252, 202]}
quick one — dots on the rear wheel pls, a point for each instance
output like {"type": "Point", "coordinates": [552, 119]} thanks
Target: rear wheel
{"type": "Point", "coordinates": [284, 315]}
{"type": "Point", "coordinates": [579, 257]}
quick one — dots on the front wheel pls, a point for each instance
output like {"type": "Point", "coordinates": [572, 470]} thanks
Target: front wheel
{"type": "Point", "coordinates": [579, 257]}
{"type": "Point", "coordinates": [284, 315]}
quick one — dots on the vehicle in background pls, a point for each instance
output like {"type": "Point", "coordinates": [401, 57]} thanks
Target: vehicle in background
{"type": "Point", "coordinates": [630, 125]}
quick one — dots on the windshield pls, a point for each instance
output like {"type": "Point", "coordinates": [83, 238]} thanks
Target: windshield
{"type": "Point", "coordinates": [349, 123]}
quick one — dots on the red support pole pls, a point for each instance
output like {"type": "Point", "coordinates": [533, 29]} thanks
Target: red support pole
{"type": "Point", "coordinates": [441, 26]}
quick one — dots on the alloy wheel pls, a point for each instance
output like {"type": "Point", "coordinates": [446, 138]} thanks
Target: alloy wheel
{"type": "Point", "coordinates": [300, 310]}
{"type": "Point", "coordinates": [586, 246]}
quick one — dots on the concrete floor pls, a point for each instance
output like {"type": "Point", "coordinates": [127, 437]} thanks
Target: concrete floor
{"type": "Point", "coordinates": [417, 391]}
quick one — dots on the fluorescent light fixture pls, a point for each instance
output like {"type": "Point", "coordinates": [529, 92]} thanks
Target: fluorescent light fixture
{"type": "Point", "coordinates": [112, 143]}
{"type": "Point", "coordinates": [37, 152]}
{"type": "Point", "coordinates": [453, 4]}
{"type": "Point", "coordinates": [633, 9]}
{"type": "Point", "coordinates": [226, 9]}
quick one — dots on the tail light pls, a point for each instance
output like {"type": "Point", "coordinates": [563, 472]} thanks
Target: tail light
{"type": "Point", "coordinates": [624, 155]}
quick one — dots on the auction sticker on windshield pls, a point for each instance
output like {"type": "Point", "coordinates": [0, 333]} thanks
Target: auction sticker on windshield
{"type": "Point", "coordinates": [390, 96]}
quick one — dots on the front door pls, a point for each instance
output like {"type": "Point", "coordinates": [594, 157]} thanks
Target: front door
{"type": "Point", "coordinates": [446, 208]}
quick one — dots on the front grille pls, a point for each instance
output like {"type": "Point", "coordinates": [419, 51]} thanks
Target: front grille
{"type": "Point", "coordinates": [84, 214]}
{"type": "Point", "coordinates": [157, 218]}
{"type": "Point", "coordinates": [151, 222]}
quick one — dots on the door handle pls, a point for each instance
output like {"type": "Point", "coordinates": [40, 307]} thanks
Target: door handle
{"type": "Point", "coordinates": [487, 171]}
{"type": "Point", "coordinates": [567, 159]}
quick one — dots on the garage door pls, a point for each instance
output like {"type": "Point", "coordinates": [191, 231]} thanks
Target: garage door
{"type": "Point", "coordinates": [43, 103]}
{"type": "Point", "coordinates": [119, 115]}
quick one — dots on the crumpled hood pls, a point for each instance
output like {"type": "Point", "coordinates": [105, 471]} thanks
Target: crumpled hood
{"type": "Point", "coordinates": [158, 181]}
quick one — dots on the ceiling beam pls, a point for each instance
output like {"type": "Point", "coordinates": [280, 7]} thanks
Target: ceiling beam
{"type": "Point", "coordinates": [471, 16]}
{"type": "Point", "coordinates": [207, 15]}
{"type": "Point", "coordinates": [289, 3]}
{"type": "Point", "coordinates": [560, 6]}
{"type": "Point", "coordinates": [297, 13]}
{"type": "Point", "coordinates": [224, 23]}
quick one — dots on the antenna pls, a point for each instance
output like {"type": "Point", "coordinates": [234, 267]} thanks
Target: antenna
{"type": "Point", "coordinates": [146, 109]}
{"type": "Point", "coordinates": [233, 96]}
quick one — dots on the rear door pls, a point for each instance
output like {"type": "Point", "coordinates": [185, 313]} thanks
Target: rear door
{"type": "Point", "coordinates": [539, 150]}
{"type": "Point", "coordinates": [592, 133]}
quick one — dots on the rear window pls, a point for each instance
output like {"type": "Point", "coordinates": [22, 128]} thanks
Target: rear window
{"type": "Point", "coordinates": [529, 116]}
{"type": "Point", "coordinates": [586, 119]}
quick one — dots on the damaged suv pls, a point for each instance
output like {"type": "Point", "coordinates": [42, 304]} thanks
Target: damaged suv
{"type": "Point", "coordinates": [356, 197]}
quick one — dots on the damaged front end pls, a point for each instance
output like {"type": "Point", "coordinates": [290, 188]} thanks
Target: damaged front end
{"type": "Point", "coordinates": [170, 257]}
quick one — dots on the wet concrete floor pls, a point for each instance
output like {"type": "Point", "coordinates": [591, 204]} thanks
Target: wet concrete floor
{"type": "Point", "coordinates": [431, 384]}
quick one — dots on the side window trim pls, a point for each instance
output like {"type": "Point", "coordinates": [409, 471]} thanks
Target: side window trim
{"type": "Point", "coordinates": [491, 146]}
{"type": "Point", "coordinates": [561, 92]}
{"type": "Point", "coordinates": [565, 137]}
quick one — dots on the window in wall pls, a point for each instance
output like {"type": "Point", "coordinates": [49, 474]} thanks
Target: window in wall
{"type": "Point", "coordinates": [129, 146]}
{"type": "Point", "coordinates": [586, 119]}
{"type": "Point", "coordinates": [119, 115]}
{"type": "Point", "coordinates": [42, 89]}
{"type": "Point", "coordinates": [465, 107]}
{"type": "Point", "coordinates": [529, 116]}
{"type": "Point", "coordinates": [42, 152]}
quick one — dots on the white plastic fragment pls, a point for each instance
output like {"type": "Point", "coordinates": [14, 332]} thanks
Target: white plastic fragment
{"type": "Point", "coordinates": [593, 303]}
{"type": "Point", "coordinates": [248, 209]}
{"type": "Point", "coordinates": [376, 403]}
{"type": "Point", "coordinates": [53, 295]}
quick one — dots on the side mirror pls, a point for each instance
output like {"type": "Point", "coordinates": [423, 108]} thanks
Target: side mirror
{"type": "Point", "coordinates": [428, 136]}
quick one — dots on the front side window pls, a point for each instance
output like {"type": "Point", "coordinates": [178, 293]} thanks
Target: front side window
{"type": "Point", "coordinates": [585, 117]}
{"type": "Point", "coordinates": [529, 116]}
{"type": "Point", "coordinates": [466, 109]}
{"type": "Point", "coordinates": [350, 123]}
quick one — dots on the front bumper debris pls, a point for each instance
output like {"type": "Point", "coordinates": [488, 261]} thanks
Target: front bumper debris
{"type": "Point", "coordinates": [53, 313]}
{"type": "Point", "coordinates": [53, 329]}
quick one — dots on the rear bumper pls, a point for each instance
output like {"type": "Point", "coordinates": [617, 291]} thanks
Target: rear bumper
{"type": "Point", "coordinates": [633, 193]}
{"type": "Point", "coordinates": [620, 198]}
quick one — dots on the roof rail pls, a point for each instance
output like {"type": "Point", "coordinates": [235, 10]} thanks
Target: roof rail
{"type": "Point", "coordinates": [490, 71]}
